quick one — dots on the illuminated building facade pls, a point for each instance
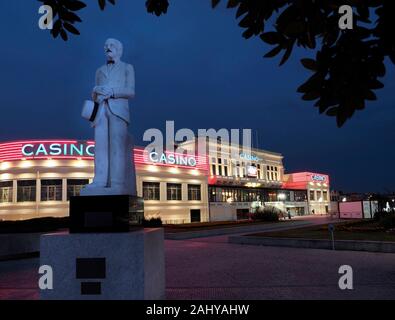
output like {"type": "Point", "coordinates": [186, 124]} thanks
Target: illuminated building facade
{"type": "Point", "coordinates": [38, 177]}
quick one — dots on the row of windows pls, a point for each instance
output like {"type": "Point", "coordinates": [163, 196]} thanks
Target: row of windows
{"type": "Point", "coordinates": [226, 194]}
{"type": "Point", "coordinates": [51, 190]}
{"type": "Point", "coordinates": [151, 191]}
{"type": "Point", "coordinates": [222, 169]}
{"type": "Point", "coordinates": [318, 195]}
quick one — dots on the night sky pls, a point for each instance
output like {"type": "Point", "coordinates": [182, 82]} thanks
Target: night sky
{"type": "Point", "coordinates": [192, 66]}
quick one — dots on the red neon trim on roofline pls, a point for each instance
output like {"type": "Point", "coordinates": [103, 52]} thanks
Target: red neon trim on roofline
{"type": "Point", "coordinates": [12, 151]}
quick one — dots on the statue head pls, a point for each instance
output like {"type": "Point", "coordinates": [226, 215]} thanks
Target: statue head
{"type": "Point", "coordinates": [113, 50]}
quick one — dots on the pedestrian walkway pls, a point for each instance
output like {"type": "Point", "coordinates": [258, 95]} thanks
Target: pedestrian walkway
{"type": "Point", "coordinates": [212, 268]}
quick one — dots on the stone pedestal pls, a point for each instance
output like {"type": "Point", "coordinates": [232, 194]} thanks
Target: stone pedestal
{"type": "Point", "coordinates": [105, 213]}
{"type": "Point", "coordinates": [105, 266]}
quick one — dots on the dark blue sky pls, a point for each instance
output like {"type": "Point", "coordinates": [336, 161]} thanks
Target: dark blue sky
{"type": "Point", "coordinates": [193, 67]}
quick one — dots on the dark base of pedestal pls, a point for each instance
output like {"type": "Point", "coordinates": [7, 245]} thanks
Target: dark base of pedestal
{"type": "Point", "coordinates": [114, 213]}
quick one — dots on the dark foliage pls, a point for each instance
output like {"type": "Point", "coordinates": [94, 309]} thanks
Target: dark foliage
{"type": "Point", "coordinates": [34, 225]}
{"type": "Point", "coordinates": [380, 215]}
{"type": "Point", "coordinates": [388, 221]}
{"type": "Point", "coordinates": [385, 219]}
{"type": "Point", "coordinates": [268, 213]}
{"type": "Point", "coordinates": [347, 64]}
{"type": "Point", "coordinates": [152, 223]}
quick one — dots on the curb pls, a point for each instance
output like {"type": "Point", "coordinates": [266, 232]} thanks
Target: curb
{"type": "Point", "coordinates": [350, 245]}
{"type": "Point", "coordinates": [224, 231]}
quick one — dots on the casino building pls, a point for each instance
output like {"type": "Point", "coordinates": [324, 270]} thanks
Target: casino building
{"type": "Point", "coordinates": [38, 177]}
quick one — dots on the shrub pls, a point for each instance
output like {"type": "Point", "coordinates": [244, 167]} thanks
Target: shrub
{"type": "Point", "coordinates": [152, 223]}
{"type": "Point", "coordinates": [388, 221]}
{"type": "Point", "coordinates": [379, 215]}
{"type": "Point", "coordinates": [266, 214]}
{"type": "Point", "coordinates": [46, 224]}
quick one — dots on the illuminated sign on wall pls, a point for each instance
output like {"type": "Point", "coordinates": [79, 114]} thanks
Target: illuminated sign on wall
{"type": "Point", "coordinates": [318, 177]}
{"type": "Point", "coordinates": [249, 157]}
{"type": "Point", "coordinates": [84, 150]}
{"type": "Point", "coordinates": [173, 159]}
{"type": "Point", "coordinates": [252, 171]}
{"type": "Point", "coordinates": [58, 149]}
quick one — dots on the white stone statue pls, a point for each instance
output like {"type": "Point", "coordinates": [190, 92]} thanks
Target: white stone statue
{"type": "Point", "coordinates": [115, 85]}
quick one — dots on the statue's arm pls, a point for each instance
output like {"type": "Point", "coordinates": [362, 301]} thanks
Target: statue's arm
{"type": "Point", "coordinates": [128, 91]}
{"type": "Point", "coordinates": [95, 96]}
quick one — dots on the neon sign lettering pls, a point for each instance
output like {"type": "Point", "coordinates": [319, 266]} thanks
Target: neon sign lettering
{"type": "Point", "coordinates": [249, 157]}
{"type": "Point", "coordinates": [172, 159]}
{"type": "Point", "coordinates": [318, 177]}
{"type": "Point", "coordinates": [58, 149]}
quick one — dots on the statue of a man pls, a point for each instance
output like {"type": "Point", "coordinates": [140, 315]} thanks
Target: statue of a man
{"type": "Point", "coordinates": [115, 85]}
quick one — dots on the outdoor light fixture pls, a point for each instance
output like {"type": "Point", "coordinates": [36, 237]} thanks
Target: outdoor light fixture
{"type": "Point", "coordinates": [50, 163]}
{"type": "Point", "coordinates": [281, 196]}
{"type": "Point", "coordinates": [79, 163]}
{"type": "Point", "coordinates": [5, 165]}
{"type": "Point", "coordinates": [174, 170]}
{"type": "Point", "coordinates": [152, 168]}
{"type": "Point", "coordinates": [26, 164]}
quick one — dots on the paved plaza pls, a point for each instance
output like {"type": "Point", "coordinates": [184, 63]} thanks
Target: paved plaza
{"type": "Point", "coordinates": [211, 268]}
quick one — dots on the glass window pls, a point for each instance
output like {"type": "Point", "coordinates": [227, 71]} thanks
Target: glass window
{"type": "Point", "coordinates": [284, 195]}
{"type": "Point", "coordinates": [26, 190]}
{"type": "Point", "coordinates": [325, 195]}
{"type": "Point", "coordinates": [74, 187]}
{"type": "Point", "coordinates": [219, 170]}
{"type": "Point", "coordinates": [151, 190]}
{"type": "Point", "coordinates": [312, 197]}
{"type": "Point", "coordinates": [6, 191]}
{"type": "Point", "coordinates": [174, 191]}
{"type": "Point", "coordinates": [272, 196]}
{"type": "Point", "coordinates": [194, 192]}
{"type": "Point", "coordinates": [51, 190]}
{"type": "Point", "coordinates": [300, 196]}
{"type": "Point", "coordinates": [226, 171]}
{"type": "Point", "coordinates": [213, 171]}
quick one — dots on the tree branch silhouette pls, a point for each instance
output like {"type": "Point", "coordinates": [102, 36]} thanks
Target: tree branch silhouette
{"type": "Point", "coordinates": [347, 65]}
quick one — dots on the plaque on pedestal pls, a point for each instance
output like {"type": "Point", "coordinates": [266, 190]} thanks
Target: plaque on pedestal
{"type": "Point", "coordinates": [111, 213]}
{"type": "Point", "coordinates": [105, 266]}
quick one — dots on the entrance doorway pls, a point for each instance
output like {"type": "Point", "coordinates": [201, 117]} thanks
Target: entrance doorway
{"type": "Point", "coordinates": [195, 215]}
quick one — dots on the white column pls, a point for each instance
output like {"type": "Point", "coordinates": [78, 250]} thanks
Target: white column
{"type": "Point", "coordinates": [38, 194]}
{"type": "Point", "coordinates": [38, 188]}
{"type": "Point", "coordinates": [163, 191]}
{"type": "Point", "coordinates": [184, 192]}
{"type": "Point", "coordinates": [14, 191]}
{"type": "Point", "coordinates": [64, 189]}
